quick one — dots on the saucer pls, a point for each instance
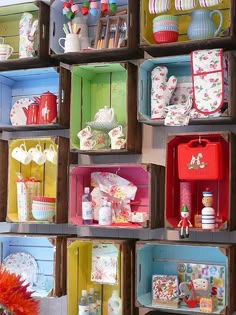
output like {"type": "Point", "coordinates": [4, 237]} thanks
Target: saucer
{"type": "Point", "coordinates": [102, 125]}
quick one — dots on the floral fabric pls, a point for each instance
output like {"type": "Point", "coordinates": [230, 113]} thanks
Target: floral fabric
{"type": "Point", "coordinates": [208, 80]}
{"type": "Point", "coordinates": [161, 91]}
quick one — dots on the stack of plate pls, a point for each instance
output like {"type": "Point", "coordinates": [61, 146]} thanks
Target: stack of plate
{"type": "Point", "coordinates": [43, 208]}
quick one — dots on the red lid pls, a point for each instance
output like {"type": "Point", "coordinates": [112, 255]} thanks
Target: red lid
{"type": "Point", "coordinates": [45, 199]}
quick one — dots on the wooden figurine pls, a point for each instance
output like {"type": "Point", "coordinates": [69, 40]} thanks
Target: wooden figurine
{"type": "Point", "coordinates": [208, 213]}
{"type": "Point", "coordinates": [184, 223]}
{"type": "Point", "coordinates": [208, 304]}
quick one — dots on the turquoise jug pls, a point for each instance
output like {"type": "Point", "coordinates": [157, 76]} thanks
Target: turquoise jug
{"type": "Point", "coordinates": [202, 26]}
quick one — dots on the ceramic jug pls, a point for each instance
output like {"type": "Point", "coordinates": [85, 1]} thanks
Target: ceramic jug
{"type": "Point", "coordinates": [202, 26]}
{"type": "Point", "coordinates": [105, 114]}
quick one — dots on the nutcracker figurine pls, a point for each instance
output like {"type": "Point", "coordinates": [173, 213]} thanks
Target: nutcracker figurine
{"type": "Point", "coordinates": [184, 223]}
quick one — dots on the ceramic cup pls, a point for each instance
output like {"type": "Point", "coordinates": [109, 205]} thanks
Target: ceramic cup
{"type": "Point", "coordinates": [21, 154]}
{"type": "Point", "coordinates": [5, 51]}
{"type": "Point", "coordinates": [102, 140]}
{"type": "Point", "coordinates": [72, 43]}
{"type": "Point", "coordinates": [51, 154]}
{"type": "Point", "coordinates": [118, 143]}
{"type": "Point", "coordinates": [87, 144]}
{"type": "Point", "coordinates": [84, 133]}
{"type": "Point", "coordinates": [116, 132]}
{"type": "Point", "coordinates": [38, 156]}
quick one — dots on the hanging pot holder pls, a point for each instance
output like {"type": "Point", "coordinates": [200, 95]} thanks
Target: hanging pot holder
{"type": "Point", "coordinates": [208, 80]}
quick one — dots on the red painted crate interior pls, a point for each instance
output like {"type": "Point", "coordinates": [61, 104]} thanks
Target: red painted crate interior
{"type": "Point", "coordinates": [217, 184]}
{"type": "Point", "coordinates": [80, 177]}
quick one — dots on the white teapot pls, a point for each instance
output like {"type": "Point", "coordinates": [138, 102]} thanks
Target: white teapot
{"type": "Point", "coordinates": [105, 114]}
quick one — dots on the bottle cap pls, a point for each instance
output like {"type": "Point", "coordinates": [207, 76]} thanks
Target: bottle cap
{"type": "Point", "coordinates": [86, 190]}
{"type": "Point", "coordinates": [91, 291]}
{"type": "Point", "coordinates": [84, 292]}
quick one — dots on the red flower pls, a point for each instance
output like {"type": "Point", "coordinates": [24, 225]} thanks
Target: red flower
{"type": "Point", "coordinates": [14, 296]}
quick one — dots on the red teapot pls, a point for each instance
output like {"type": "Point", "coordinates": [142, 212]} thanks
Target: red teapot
{"type": "Point", "coordinates": [47, 112]}
{"type": "Point", "coordinates": [31, 113]}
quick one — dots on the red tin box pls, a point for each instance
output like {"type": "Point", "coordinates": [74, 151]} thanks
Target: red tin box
{"type": "Point", "coordinates": [200, 159]}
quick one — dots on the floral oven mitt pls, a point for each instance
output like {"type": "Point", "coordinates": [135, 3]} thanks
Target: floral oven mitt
{"type": "Point", "coordinates": [161, 91]}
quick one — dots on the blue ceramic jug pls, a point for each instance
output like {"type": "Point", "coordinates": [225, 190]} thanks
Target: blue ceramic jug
{"type": "Point", "coordinates": [202, 26]}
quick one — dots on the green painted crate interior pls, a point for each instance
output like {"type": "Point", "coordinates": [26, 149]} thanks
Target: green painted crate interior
{"type": "Point", "coordinates": [184, 19]}
{"type": "Point", "coordinates": [9, 23]}
{"type": "Point", "coordinates": [93, 87]}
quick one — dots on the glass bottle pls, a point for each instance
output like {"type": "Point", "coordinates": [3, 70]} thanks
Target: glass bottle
{"type": "Point", "coordinates": [92, 302]}
{"type": "Point", "coordinates": [87, 209]}
{"type": "Point", "coordinates": [83, 308]}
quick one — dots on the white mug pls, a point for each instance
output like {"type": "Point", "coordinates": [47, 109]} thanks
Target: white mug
{"type": "Point", "coordinates": [87, 144]}
{"type": "Point", "coordinates": [51, 154]}
{"type": "Point", "coordinates": [116, 132]}
{"type": "Point", "coordinates": [21, 154]}
{"type": "Point", "coordinates": [85, 133]}
{"type": "Point", "coordinates": [38, 156]}
{"type": "Point", "coordinates": [5, 51]}
{"type": "Point", "coordinates": [118, 143]}
{"type": "Point", "coordinates": [72, 43]}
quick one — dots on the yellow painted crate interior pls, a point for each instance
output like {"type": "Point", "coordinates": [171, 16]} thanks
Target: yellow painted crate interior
{"type": "Point", "coordinates": [9, 23]}
{"type": "Point", "coordinates": [79, 264]}
{"type": "Point", "coordinates": [184, 19]}
{"type": "Point", "coordinates": [46, 173]}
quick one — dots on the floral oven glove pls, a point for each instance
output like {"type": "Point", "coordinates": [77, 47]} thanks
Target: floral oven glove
{"type": "Point", "coordinates": [161, 91]}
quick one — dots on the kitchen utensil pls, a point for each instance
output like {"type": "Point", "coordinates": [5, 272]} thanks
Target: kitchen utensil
{"type": "Point", "coordinates": [202, 25]}
{"type": "Point", "coordinates": [17, 115]}
{"type": "Point", "coordinates": [47, 108]}
{"type": "Point", "coordinates": [31, 113]}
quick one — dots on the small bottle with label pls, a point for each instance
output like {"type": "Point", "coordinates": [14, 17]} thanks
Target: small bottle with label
{"type": "Point", "coordinates": [98, 299]}
{"type": "Point", "coordinates": [83, 304]}
{"type": "Point", "coordinates": [92, 302]}
{"type": "Point", "coordinates": [87, 209]}
{"type": "Point", "coordinates": [114, 304]}
{"type": "Point", "coordinates": [105, 214]}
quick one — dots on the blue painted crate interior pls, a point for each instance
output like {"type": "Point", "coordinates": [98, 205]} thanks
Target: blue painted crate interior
{"type": "Point", "coordinates": [32, 258]}
{"type": "Point", "coordinates": [22, 86]}
{"type": "Point", "coordinates": [58, 19]}
{"type": "Point", "coordinates": [178, 66]}
{"type": "Point", "coordinates": [180, 260]}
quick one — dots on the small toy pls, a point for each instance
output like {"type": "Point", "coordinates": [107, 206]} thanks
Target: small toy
{"type": "Point", "coordinates": [208, 304]}
{"type": "Point", "coordinates": [184, 223]}
{"type": "Point", "coordinates": [208, 213]}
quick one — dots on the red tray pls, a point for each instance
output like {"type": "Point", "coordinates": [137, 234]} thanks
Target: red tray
{"type": "Point", "coordinates": [200, 160]}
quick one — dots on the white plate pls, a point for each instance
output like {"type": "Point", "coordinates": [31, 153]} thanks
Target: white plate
{"type": "Point", "coordinates": [22, 264]}
{"type": "Point", "coordinates": [102, 125]}
{"type": "Point", "coordinates": [17, 115]}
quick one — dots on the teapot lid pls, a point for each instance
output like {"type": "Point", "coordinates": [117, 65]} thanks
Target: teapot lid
{"type": "Point", "coordinates": [48, 93]}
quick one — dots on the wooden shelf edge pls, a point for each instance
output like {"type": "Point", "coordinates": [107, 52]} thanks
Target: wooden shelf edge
{"type": "Point", "coordinates": [183, 48]}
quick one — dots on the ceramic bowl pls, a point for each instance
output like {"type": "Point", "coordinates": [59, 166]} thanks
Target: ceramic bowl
{"type": "Point", "coordinates": [166, 17]}
{"type": "Point", "coordinates": [43, 215]}
{"type": "Point", "coordinates": [164, 28]}
{"type": "Point", "coordinates": [165, 37]}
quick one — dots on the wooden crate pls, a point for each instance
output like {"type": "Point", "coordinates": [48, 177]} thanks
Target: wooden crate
{"type": "Point", "coordinates": [79, 267]}
{"type": "Point", "coordinates": [10, 16]}
{"type": "Point", "coordinates": [48, 263]}
{"type": "Point", "coordinates": [180, 67]}
{"type": "Point", "coordinates": [225, 39]}
{"type": "Point", "coordinates": [223, 189]}
{"type": "Point", "coordinates": [129, 10]}
{"type": "Point", "coordinates": [19, 85]}
{"type": "Point", "coordinates": [180, 259]}
{"type": "Point", "coordinates": [53, 177]}
{"type": "Point", "coordinates": [105, 84]}
{"type": "Point", "coordinates": [149, 179]}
